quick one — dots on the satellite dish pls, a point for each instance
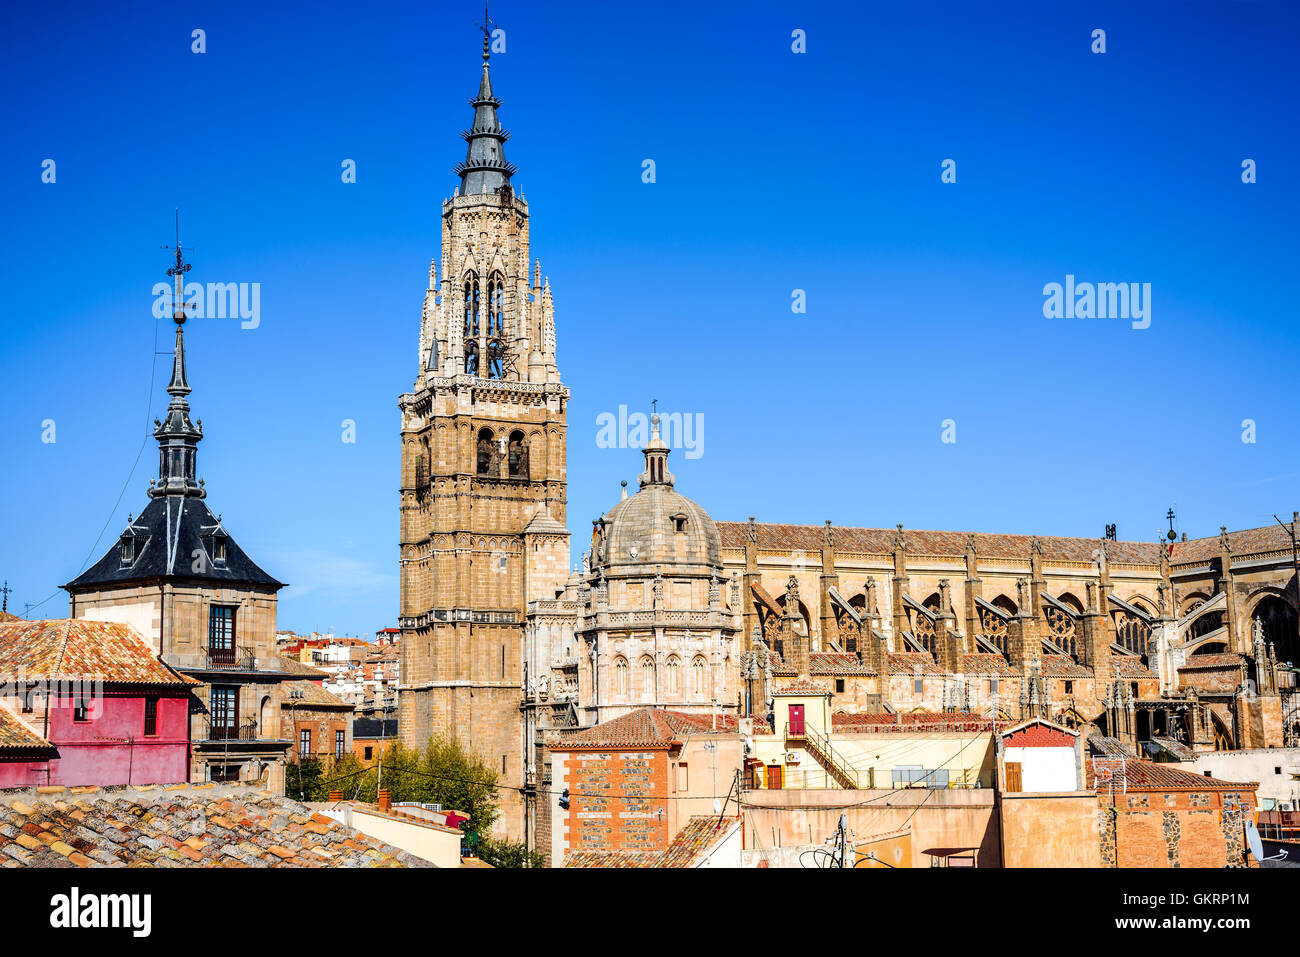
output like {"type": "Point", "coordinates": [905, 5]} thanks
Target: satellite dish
{"type": "Point", "coordinates": [1252, 838]}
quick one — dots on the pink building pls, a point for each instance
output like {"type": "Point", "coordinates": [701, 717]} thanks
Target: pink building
{"type": "Point", "coordinates": [88, 702]}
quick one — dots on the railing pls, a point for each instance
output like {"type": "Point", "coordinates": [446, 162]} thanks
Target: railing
{"type": "Point", "coordinates": [241, 658]}
{"type": "Point", "coordinates": [247, 731]}
{"type": "Point", "coordinates": [819, 746]}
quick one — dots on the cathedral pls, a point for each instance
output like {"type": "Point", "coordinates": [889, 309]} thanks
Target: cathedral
{"type": "Point", "coordinates": [1168, 647]}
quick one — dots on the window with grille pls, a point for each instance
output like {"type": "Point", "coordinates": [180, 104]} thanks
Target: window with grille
{"type": "Point", "coordinates": [150, 716]}
{"type": "Point", "coordinates": [340, 738]}
{"type": "Point", "coordinates": [304, 743]}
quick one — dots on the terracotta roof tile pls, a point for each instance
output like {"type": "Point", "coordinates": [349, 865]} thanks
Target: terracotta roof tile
{"type": "Point", "coordinates": [1126, 666]}
{"type": "Point", "coordinates": [16, 735]}
{"type": "Point", "coordinates": [801, 686]}
{"type": "Point", "coordinates": [912, 662]}
{"type": "Point", "coordinates": [644, 728]}
{"type": "Point", "coordinates": [988, 664]}
{"type": "Point", "coordinates": [612, 859]}
{"type": "Point", "coordinates": [67, 648]}
{"type": "Point", "coordinates": [880, 541]}
{"type": "Point", "coordinates": [187, 828]}
{"type": "Point", "coordinates": [883, 722]}
{"type": "Point", "coordinates": [837, 664]}
{"type": "Point", "coordinates": [1062, 666]}
{"type": "Point", "coordinates": [1198, 662]}
{"type": "Point", "coordinates": [310, 695]}
{"type": "Point", "coordinates": [1141, 775]}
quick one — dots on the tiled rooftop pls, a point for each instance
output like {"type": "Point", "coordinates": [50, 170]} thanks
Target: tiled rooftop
{"type": "Point", "coordinates": [837, 664]}
{"type": "Point", "coordinates": [1210, 661]}
{"type": "Point", "coordinates": [1126, 666]}
{"type": "Point", "coordinates": [1141, 775]}
{"type": "Point", "coordinates": [988, 664]}
{"type": "Point", "coordinates": [880, 541]}
{"type": "Point", "coordinates": [883, 722]}
{"type": "Point", "coordinates": [1062, 666]}
{"type": "Point", "coordinates": [14, 735]}
{"type": "Point", "coordinates": [699, 835]}
{"type": "Point", "coordinates": [179, 826]}
{"type": "Point", "coordinates": [309, 695]}
{"type": "Point", "coordinates": [68, 648]}
{"type": "Point", "coordinates": [644, 728]}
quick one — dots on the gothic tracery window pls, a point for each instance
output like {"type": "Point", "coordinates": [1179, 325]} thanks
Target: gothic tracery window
{"type": "Point", "coordinates": [1132, 632]}
{"type": "Point", "coordinates": [471, 358]}
{"type": "Point", "coordinates": [698, 677]}
{"type": "Point", "coordinates": [673, 680]}
{"type": "Point", "coordinates": [648, 677]}
{"type": "Point", "coordinates": [620, 676]}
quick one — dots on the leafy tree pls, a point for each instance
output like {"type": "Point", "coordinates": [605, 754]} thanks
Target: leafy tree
{"type": "Point", "coordinates": [504, 853]}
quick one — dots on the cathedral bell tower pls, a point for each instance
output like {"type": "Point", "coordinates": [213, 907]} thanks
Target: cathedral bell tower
{"type": "Point", "coordinates": [483, 454]}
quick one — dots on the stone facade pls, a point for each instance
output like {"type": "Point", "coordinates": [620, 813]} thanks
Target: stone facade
{"type": "Point", "coordinates": [483, 472]}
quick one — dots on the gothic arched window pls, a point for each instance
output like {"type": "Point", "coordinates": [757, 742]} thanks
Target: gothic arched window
{"type": "Point", "coordinates": [673, 670]}
{"type": "Point", "coordinates": [1278, 620]}
{"type": "Point", "coordinates": [620, 676]}
{"type": "Point", "coordinates": [484, 452]}
{"type": "Point", "coordinates": [495, 308]}
{"type": "Point", "coordinates": [471, 306]}
{"type": "Point", "coordinates": [698, 677]}
{"type": "Point", "coordinates": [471, 357]}
{"type": "Point", "coordinates": [1132, 632]}
{"type": "Point", "coordinates": [517, 453]}
{"type": "Point", "coordinates": [648, 677]}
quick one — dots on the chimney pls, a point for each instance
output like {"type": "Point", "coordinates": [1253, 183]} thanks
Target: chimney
{"type": "Point", "coordinates": [336, 796]}
{"type": "Point", "coordinates": [385, 800]}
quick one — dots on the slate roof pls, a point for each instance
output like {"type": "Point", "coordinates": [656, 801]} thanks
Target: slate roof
{"type": "Point", "coordinates": [310, 695]}
{"type": "Point", "coordinates": [66, 648]}
{"type": "Point", "coordinates": [190, 525]}
{"type": "Point", "coordinates": [643, 728]}
{"type": "Point", "coordinates": [1151, 776]}
{"type": "Point", "coordinates": [880, 541]}
{"type": "Point", "coordinates": [179, 826]}
{"type": "Point", "coordinates": [16, 736]}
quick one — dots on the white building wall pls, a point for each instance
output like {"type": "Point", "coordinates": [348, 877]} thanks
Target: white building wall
{"type": "Point", "coordinates": [1045, 769]}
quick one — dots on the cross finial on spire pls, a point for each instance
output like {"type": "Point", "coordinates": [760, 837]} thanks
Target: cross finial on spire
{"type": "Point", "coordinates": [178, 272]}
{"type": "Point", "coordinates": [4, 606]}
{"type": "Point", "coordinates": [486, 26]}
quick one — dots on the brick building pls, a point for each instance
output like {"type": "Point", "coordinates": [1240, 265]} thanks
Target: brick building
{"type": "Point", "coordinates": [633, 782]}
{"type": "Point", "coordinates": [317, 724]}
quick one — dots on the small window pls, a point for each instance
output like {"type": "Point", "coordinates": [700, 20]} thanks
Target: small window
{"type": "Point", "coordinates": [1069, 687]}
{"type": "Point", "coordinates": [679, 523]}
{"type": "Point", "coordinates": [1277, 770]}
{"type": "Point", "coordinates": [839, 685]}
{"type": "Point", "coordinates": [304, 743]}
{"type": "Point", "coordinates": [918, 686]}
{"type": "Point", "coordinates": [128, 551]}
{"type": "Point", "coordinates": [81, 710]}
{"type": "Point", "coordinates": [503, 764]}
{"type": "Point", "coordinates": [150, 716]}
{"type": "Point", "coordinates": [219, 550]}
{"type": "Point", "coordinates": [1206, 773]}
{"type": "Point", "coordinates": [224, 772]}
{"type": "Point", "coordinates": [993, 686]}
{"type": "Point", "coordinates": [369, 752]}
{"type": "Point", "coordinates": [28, 694]}
{"type": "Point", "coordinates": [340, 740]}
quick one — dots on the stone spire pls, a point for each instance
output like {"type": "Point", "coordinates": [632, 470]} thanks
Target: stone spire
{"type": "Point", "coordinates": [177, 436]}
{"type": "Point", "coordinates": [485, 169]}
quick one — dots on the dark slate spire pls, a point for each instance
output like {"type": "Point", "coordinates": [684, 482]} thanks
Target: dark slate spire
{"type": "Point", "coordinates": [177, 436]}
{"type": "Point", "coordinates": [485, 169]}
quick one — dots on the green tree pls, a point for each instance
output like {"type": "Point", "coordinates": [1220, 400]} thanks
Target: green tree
{"type": "Point", "coordinates": [504, 853]}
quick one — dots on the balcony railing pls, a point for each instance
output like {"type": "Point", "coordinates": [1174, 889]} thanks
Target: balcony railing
{"type": "Point", "coordinates": [245, 731]}
{"type": "Point", "coordinates": [233, 658]}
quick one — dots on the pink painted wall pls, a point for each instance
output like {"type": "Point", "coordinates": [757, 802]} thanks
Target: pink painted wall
{"type": "Point", "coordinates": [100, 751]}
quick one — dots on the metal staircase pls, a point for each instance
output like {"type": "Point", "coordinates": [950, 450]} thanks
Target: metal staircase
{"type": "Point", "coordinates": [819, 746]}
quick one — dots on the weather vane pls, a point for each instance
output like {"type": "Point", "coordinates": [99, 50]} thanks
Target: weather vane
{"type": "Point", "coordinates": [486, 25]}
{"type": "Point", "coordinates": [177, 271]}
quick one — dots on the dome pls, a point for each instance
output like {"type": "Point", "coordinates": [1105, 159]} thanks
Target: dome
{"type": "Point", "coordinates": [659, 526]}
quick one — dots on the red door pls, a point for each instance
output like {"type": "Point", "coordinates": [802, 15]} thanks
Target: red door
{"type": "Point", "coordinates": [796, 719]}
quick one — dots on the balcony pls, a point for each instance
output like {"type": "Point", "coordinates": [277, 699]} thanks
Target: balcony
{"type": "Point", "coordinates": [231, 659]}
{"type": "Point", "coordinates": [244, 731]}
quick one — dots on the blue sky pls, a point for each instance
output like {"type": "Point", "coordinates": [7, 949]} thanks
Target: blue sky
{"type": "Point", "coordinates": [775, 171]}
